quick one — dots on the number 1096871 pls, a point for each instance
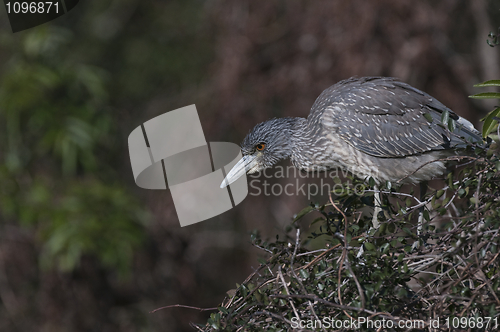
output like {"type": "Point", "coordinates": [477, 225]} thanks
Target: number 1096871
{"type": "Point", "coordinates": [32, 7]}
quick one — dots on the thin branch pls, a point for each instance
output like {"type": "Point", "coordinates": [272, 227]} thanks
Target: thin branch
{"type": "Point", "coordinates": [280, 275]}
{"type": "Point", "coordinates": [182, 306]}
{"type": "Point", "coordinates": [358, 285]}
{"type": "Point", "coordinates": [297, 242]}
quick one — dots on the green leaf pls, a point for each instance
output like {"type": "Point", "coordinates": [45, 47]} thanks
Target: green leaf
{"type": "Point", "coordinates": [371, 182]}
{"type": "Point", "coordinates": [486, 95]}
{"type": "Point", "coordinates": [428, 117]}
{"type": "Point", "coordinates": [302, 213]}
{"type": "Point", "coordinates": [382, 228]}
{"type": "Point", "coordinates": [488, 83]}
{"type": "Point", "coordinates": [223, 310]}
{"type": "Point", "coordinates": [452, 125]}
{"type": "Point", "coordinates": [369, 246]}
{"type": "Point", "coordinates": [407, 231]}
{"type": "Point", "coordinates": [445, 116]}
{"type": "Point", "coordinates": [316, 220]}
{"type": "Point", "coordinates": [489, 122]}
{"type": "Point", "coordinates": [426, 215]}
{"type": "Point", "coordinates": [304, 273]}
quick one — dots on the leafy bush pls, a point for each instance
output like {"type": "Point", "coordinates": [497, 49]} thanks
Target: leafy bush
{"type": "Point", "coordinates": [452, 272]}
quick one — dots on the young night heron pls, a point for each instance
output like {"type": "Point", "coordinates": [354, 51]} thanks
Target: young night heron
{"type": "Point", "coordinates": [370, 126]}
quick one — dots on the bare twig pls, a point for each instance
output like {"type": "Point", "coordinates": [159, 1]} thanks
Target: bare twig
{"type": "Point", "coordinates": [358, 285]}
{"type": "Point", "coordinates": [280, 275]}
{"type": "Point", "coordinates": [297, 241]}
{"type": "Point", "coordinates": [183, 306]}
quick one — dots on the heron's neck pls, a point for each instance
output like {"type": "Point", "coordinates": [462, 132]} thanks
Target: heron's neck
{"type": "Point", "coordinates": [302, 145]}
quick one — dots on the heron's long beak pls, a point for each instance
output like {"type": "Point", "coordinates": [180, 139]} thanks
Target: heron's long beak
{"type": "Point", "coordinates": [244, 165]}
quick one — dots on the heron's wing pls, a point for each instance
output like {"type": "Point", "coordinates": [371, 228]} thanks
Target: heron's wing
{"type": "Point", "coordinates": [387, 118]}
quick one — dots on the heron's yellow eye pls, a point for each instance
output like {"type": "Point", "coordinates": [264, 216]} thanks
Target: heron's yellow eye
{"type": "Point", "coordinates": [260, 146]}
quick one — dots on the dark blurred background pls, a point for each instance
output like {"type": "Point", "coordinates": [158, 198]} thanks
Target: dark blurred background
{"type": "Point", "coordinates": [81, 247]}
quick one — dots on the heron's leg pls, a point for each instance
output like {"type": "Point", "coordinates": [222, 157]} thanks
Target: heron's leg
{"type": "Point", "coordinates": [377, 202]}
{"type": "Point", "coordinates": [378, 207]}
{"type": "Point", "coordinates": [423, 191]}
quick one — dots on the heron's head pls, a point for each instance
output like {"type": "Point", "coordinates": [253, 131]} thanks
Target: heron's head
{"type": "Point", "coordinates": [264, 146]}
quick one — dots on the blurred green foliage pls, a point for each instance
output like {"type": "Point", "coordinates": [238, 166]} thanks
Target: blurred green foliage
{"type": "Point", "coordinates": [71, 91]}
{"type": "Point", "coordinates": [55, 133]}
